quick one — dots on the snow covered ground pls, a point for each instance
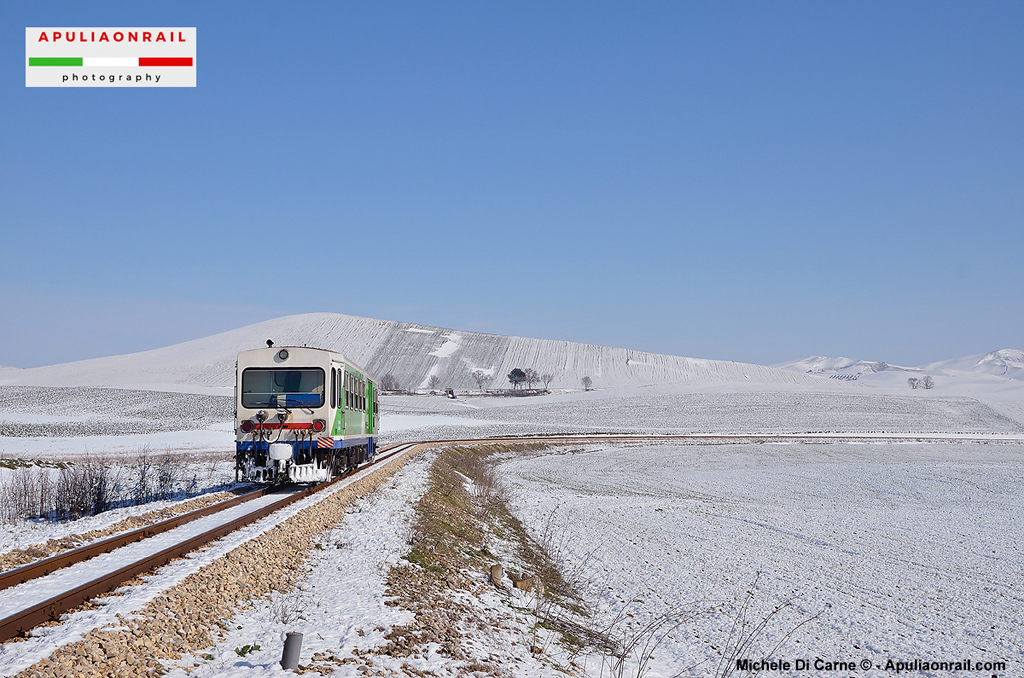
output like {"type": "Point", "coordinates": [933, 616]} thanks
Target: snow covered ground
{"type": "Point", "coordinates": [57, 422]}
{"type": "Point", "coordinates": [665, 410]}
{"type": "Point", "coordinates": [892, 551]}
{"type": "Point", "coordinates": [341, 605]}
{"type": "Point", "coordinates": [908, 551]}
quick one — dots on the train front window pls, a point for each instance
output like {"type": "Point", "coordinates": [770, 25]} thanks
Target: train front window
{"type": "Point", "coordinates": [271, 387]}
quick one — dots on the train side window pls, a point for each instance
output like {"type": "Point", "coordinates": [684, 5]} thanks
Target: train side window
{"type": "Point", "coordinates": [334, 388]}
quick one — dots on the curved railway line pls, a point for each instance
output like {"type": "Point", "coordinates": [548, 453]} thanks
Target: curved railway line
{"type": "Point", "coordinates": [32, 615]}
{"type": "Point", "coordinates": [266, 501]}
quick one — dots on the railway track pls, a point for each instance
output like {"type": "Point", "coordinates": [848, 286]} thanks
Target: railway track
{"type": "Point", "coordinates": [247, 508]}
{"type": "Point", "coordinates": [30, 602]}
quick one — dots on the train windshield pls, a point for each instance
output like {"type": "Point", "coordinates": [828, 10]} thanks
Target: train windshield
{"type": "Point", "coordinates": [270, 387]}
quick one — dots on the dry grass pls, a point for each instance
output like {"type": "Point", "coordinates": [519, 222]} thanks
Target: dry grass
{"type": "Point", "coordinates": [91, 485]}
{"type": "Point", "coordinates": [463, 513]}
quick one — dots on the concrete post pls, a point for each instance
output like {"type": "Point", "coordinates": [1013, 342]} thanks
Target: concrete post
{"type": "Point", "coordinates": [292, 647]}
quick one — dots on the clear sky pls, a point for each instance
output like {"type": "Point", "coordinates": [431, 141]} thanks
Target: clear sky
{"type": "Point", "coordinates": [737, 180]}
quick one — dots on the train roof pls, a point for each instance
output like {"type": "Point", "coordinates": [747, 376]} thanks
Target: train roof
{"type": "Point", "coordinates": [274, 349]}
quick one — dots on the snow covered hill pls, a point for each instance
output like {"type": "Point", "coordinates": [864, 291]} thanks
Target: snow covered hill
{"type": "Point", "coordinates": [846, 369]}
{"type": "Point", "coordinates": [412, 353]}
{"type": "Point", "coordinates": [1006, 363]}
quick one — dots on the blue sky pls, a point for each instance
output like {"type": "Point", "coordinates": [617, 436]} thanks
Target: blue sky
{"type": "Point", "coordinates": [746, 181]}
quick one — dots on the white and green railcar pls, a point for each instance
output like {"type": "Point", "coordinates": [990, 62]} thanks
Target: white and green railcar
{"type": "Point", "coordinates": [301, 414]}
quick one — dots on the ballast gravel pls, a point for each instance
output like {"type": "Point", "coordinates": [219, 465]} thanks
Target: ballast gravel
{"type": "Point", "coordinates": [191, 616]}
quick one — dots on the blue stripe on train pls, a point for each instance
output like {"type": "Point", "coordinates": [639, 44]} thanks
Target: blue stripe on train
{"type": "Point", "coordinates": [339, 444]}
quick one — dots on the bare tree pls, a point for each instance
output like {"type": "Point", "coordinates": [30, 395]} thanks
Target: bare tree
{"type": "Point", "coordinates": [531, 376]}
{"type": "Point", "coordinates": [914, 382]}
{"type": "Point", "coordinates": [927, 383]}
{"type": "Point", "coordinates": [547, 379]}
{"type": "Point", "coordinates": [516, 377]}
{"type": "Point", "coordinates": [434, 382]}
{"type": "Point", "coordinates": [480, 377]}
{"type": "Point", "coordinates": [389, 383]}
{"type": "Point", "coordinates": [587, 383]}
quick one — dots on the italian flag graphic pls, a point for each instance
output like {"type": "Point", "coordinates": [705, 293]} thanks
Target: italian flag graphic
{"type": "Point", "coordinates": [88, 62]}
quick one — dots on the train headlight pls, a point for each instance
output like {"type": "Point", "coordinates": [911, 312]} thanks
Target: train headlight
{"type": "Point", "coordinates": [247, 426]}
{"type": "Point", "coordinates": [319, 425]}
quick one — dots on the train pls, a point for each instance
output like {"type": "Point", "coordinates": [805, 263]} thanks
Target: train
{"type": "Point", "coordinates": [302, 415]}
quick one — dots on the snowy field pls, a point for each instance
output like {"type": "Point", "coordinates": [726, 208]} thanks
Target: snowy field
{"type": "Point", "coordinates": [28, 411]}
{"type": "Point", "coordinates": [60, 423]}
{"type": "Point", "coordinates": [642, 411]}
{"type": "Point", "coordinates": [910, 551]}
{"type": "Point", "coordinates": [907, 551]}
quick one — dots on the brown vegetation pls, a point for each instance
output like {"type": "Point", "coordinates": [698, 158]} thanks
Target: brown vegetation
{"type": "Point", "coordinates": [464, 509]}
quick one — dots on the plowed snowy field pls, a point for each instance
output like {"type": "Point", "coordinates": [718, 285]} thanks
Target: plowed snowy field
{"type": "Point", "coordinates": [909, 551]}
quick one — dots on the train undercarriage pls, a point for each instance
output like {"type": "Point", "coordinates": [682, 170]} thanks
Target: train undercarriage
{"type": "Point", "coordinates": [301, 461]}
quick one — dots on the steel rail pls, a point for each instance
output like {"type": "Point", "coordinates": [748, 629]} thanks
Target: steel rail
{"type": "Point", "coordinates": [21, 622]}
{"type": "Point", "coordinates": [41, 568]}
